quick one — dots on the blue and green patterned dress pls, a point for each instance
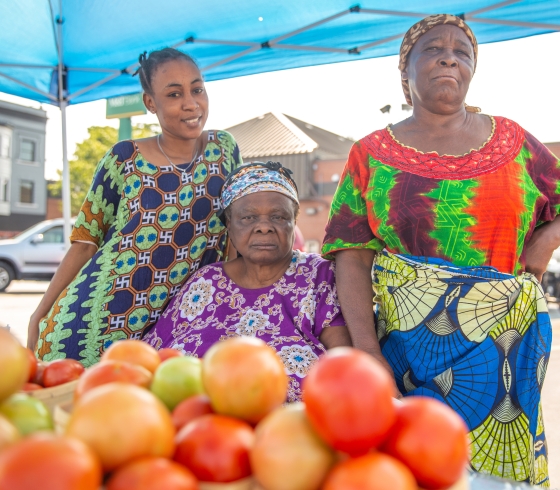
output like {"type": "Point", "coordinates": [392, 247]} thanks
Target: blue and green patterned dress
{"type": "Point", "coordinates": [153, 226]}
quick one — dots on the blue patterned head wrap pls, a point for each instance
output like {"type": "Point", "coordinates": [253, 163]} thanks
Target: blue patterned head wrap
{"type": "Point", "coordinates": [258, 177]}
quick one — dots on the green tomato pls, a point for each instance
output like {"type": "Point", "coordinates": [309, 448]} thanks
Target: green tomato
{"type": "Point", "coordinates": [27, 413]}
{"type": "Point", "coordinates": [176, 379]}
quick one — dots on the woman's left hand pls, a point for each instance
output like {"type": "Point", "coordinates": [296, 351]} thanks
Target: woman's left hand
{"type": "Point", "coordinates": [538, 252]}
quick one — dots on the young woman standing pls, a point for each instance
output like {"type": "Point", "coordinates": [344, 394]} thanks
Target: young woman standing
{"type": "Point", "coordinates": [148, 221]}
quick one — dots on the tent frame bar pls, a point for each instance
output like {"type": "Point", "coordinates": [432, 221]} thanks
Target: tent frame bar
{"type": "Point", "coordinates": [491, 7]}
{"type": "Point", "coordinates": [103, 81]}
{"type": "Point", "coordinates": [21, 65]}
{"type": "Point", "coordinates": [30, 87]}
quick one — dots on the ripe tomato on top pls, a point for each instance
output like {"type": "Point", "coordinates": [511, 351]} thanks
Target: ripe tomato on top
{"type": "Point", "coordinates": [189, 409]}
{"type": "Point", "coordinates": [215, 448]}
{"type": "Point", "coordinates": [49, 462]}
{"type": "Point", "coordinates": [150, 473]}
{"type": "Point", "coordinates": [431, 439]}
{"type": "Point", "coordinates": [348, 399]}
{"type": "Point", "coordinates": [376, 471]}
{"type": "Point", "coordinates": [168, 353]}
{"type": "Point", "coordinates": [112, 371]}
{"type": "Point", "coordinates": [133, 351]}
{"type": "Point", "coordinates": [32, 364]}
{"type": "Point", "coordinates": [244, 378]}
{"type": "Point", "coordinates": [14, 364]}
{"type": "Point", "coordinates": [62, 371]}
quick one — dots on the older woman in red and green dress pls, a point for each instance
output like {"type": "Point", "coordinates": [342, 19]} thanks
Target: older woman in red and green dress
{"type": "Point", "coordinates": [457, 213]}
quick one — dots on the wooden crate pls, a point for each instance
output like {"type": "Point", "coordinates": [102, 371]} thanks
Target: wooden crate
{"type": "Point", "coordinates": [57, 395]}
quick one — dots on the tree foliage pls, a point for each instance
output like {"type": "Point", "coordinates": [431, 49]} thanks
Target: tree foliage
{"type": "Point", "coordinates": [87, 155]}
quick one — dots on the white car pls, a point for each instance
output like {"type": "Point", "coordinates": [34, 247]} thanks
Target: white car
{"type": "Point", "coordinates": [33, 254]}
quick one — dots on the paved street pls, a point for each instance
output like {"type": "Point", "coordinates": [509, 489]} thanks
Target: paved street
{"type": "Point", "coordinates": [22, 297]}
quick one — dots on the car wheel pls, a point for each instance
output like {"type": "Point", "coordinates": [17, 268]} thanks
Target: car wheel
{"type": "Point", "coordinates": [6, 275]}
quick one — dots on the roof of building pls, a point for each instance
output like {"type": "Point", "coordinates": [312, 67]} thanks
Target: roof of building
{"type": "Point", "coordinates": [554, 148]}
{"type": "Point", "coordinates": [20, 109]}
{"type": "Point", "coordinates": [275, 134]}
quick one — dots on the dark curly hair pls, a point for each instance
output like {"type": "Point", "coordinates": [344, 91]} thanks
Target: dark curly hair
{"type": "Point", "coordinates": [149, 63]}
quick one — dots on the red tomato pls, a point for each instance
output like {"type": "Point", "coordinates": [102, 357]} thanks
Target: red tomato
{"type": "Point", "coordinates": [32, 364]}
{"type": "Point", "coordinates": [234, 384]}
{"type": "Point", "coordinates": [38, 378]}
{"type": "Point", "coordinates": [431, 439]}
{"type": "Point", "coordinates": [348, 397]}
{"type": "Point", "coordinates": [31, 387]}
{"type": "Point", "coordinates": [49, 462]}
{"type": "Point", "coordinates": [133, 351]}
{"type": "Point", "coordinates": [375, 471]}
{"type": "Point", "coordinates": [215, 448]}
{"type": "Point", "coordinates": [122, 422]}
{"type": "Point", "coordinates": [189, 409]}
{"type": "Point", "coordinates": [288, 454]}
{"type": "Point", "coordinates": [14, 364]}
{"type": "Point", "coordinates": [8, 433]}
{"type": "Point", "coordinates": [166, 353]}
{"type": "Point", "coordinates": [150, 473]}
{"type": "Point", "coordinates": [110, 371]}
{"type": "Point", "coordinates": [62, 371]}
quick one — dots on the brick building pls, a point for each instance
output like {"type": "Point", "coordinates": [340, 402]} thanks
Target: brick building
{"type": "Point", "coordinates": [316, 157]}
{"type": "Point", "coordinates": [23, 189]}
{"type": "Point", "coordinates": [554, 148]}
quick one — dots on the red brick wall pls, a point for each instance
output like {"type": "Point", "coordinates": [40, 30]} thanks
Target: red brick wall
{"type": "Point", "coordinates": [54, 208]}
{"type": "Point", "coordinates": [323, 170]}
{"type": "Point", "coordinates": [314, 213]}
{"type": "Point", "coordinates": [554, 148]}
{"type": "Point", "coordinates": [313, 225]}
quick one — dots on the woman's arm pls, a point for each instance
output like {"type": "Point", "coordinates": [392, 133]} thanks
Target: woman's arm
{"type": "Point", "coordinates": [538, 251]}
{"type": "Point", "coordinates": [355, 293]}
{"type": "Point", "coordinates": [337, 336]}
{"type": "Point", "coordinates": [78, 254]}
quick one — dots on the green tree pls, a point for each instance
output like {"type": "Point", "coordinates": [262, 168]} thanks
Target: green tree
{"type": "Point", "coordinates": [87, 155]}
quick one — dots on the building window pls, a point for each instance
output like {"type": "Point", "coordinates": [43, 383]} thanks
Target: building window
{"type": "Point", "coordinates": [4, 146]}
{"type": "Point", "coordinates": [26, 189]}
{"type": "Point", "coordinates": [5, 191]}
{"type": "Point", "coordinates": [27, 150]}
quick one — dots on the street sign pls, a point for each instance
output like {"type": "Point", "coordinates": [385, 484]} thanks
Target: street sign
{"type": "Point", "coordinates": [125, 106]}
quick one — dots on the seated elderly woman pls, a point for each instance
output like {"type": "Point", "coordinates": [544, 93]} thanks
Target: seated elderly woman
{"type": "Point", "coordinates": [283, 296]}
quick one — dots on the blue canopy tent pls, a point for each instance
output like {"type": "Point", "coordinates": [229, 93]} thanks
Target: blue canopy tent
{"type": "Point", "coordinates": [70, 51]}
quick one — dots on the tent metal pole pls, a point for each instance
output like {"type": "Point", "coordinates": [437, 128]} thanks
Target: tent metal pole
{"type": "Point", "coordinates": [62, 103]}
{"type": "Point", "coordinates": [66, 209]}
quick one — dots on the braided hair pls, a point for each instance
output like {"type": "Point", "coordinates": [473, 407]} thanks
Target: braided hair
{"type": "Point", "coordinates": [149, 63]}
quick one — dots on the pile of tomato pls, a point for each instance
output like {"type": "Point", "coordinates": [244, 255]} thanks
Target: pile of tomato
{"type": "Point", "coordinates": [144, 419]}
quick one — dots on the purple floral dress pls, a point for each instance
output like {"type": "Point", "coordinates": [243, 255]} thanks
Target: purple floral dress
{"type": "Point", "coordinates": [289, 315]}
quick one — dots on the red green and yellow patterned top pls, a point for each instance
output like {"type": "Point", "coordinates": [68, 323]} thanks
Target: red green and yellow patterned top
{"type": "Point", "coordinates": [476, 209]}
